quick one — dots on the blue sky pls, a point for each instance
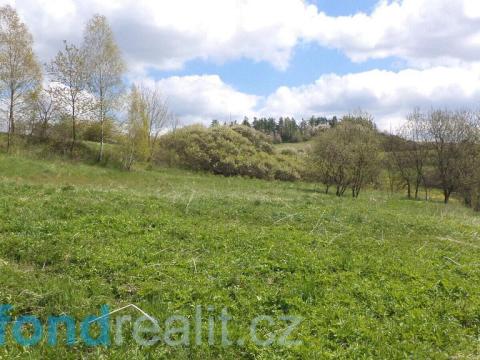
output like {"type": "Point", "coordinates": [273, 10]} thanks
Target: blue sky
{"type": "Point", "coordinates": [308, 63]}
{"type": "Point", "coordinates": [345, 7]}
{"type": "Point", "coordinates": [231, 58]}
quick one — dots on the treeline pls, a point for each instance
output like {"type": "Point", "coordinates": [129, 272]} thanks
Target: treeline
{"type": "Point", "coordinates": [78, 95]}
{"type": "Point", "coordinates": [286, 129]}
{"type": "Point", "coordinates": [439, 149]}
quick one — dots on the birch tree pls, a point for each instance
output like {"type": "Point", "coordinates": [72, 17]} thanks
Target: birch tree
{"type": "Point", "coordinates": [68, 70]}
{"type": "Point", "coordinates": [105, 68]}
{"type": "Point", "coordinates": [20, 73]}
{"type": "Point", "coordinates": [136, 140]}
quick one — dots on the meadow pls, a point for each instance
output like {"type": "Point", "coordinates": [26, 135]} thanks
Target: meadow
{"type": "Point", "coordinates": [374, 277]}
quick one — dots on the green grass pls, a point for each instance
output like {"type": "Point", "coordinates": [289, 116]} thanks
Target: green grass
{"type": "Point", "coordinates": [300, 146]}
{"type": "Point", "coordinates": [376, 277]}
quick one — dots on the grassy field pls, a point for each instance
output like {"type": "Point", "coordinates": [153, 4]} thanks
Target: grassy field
{"type": "Point", "coordinates": [376, 277]}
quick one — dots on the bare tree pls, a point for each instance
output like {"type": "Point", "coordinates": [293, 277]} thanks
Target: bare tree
{"type": "Point", "coordinates": [68, 70]}
{"type": "Point", "coordinates": [158, 114]}
{"type": "Point", "coordinates": [105, 69]}
{"type": "Point", "coordinates": [20, 72]}
{"type": "Point", "coordinates": [452, 138]}
{"type": "Point", "coordinates": [174, 122]}
{"type": "Point", "coordinates": [414, 132]}
{"type": "Point", "coordinates": [408, 153]}
{"type": "Point", "coordinates": [475, 186]}
{"type": "Point", "coordinates": [45, 107]}
{"type": "Point", "coordinates": [398, 158]}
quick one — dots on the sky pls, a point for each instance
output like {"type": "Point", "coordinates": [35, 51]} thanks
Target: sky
{"type": "Point", "coordinates": [226, 59]}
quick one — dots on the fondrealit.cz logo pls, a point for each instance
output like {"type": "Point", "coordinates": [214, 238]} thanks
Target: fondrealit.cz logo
{"type": "Point", "coordinates": [207, 326]}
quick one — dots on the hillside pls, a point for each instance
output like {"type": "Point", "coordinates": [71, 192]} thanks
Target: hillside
{"type": "Point", "coordinates": [379, 276]}
{"type": "Point", "coordinates": [299, 146]}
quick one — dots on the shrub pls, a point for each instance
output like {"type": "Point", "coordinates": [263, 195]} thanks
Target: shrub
{"type": "Point", "coordinates": [288, 152]}
{"type": "Point", "coordinates": [227, 151]}
{"type": "Point", "coordinates": [92, 131]}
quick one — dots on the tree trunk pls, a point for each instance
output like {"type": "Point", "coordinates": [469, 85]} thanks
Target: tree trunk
{"type": "Point", "coordinates": [44, 129]}
{"type": "Point", "coordinates": [476, 200]}
{"type": "Point", "coordinates": [100, 156]}
{"type": "Point", "coordinates": [74, 130]}
{"type": "Point", "coordinates": [426, 187]}
{"type": "Point", "coordinates": [446, 195]}
{"type": "Point", "coordinates": [9, 136]}
{"type": "Point", "coordinates": [11, 123]}
{"type": "Point", "coordinates": [102, 132]}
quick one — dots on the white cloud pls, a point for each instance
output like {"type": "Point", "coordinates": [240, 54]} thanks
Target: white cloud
{"type": "Point", "coordinates": [200, 99]}
{"type": "Point", "coordinates": [440, 39]}
{"type": "Point", "coordinates": [389, 96]}
{"type": "Point", "coordinates": [424, 32]}
{"type": "Point", "coordinates": [166, 34]}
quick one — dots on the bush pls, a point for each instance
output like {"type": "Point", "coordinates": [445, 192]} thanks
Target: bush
{"type": "Point", "coordinates": [227, 151]}
{"type": "Point", "coordinates": [92, 131]}
{"type": "Point", "coordinates": [261, 141]}
{"type": "Point", "coordinates": [288, 152]}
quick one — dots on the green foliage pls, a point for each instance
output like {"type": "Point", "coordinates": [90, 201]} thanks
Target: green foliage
{"type": "Point", "coordinates": [227, 151]}
{"type": "Point", "coordinates": [135, 142]}
{"type": "Point", "coordinates": [258, 139]}
{"type": "Point", "coordinates": [92, 131]}
{"type": "Point", "coordinates": [347, 156]}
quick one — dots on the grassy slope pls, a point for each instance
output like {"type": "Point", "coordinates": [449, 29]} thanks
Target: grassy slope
{"type": "Point", "coordinates": [304, 146]}
{"type": "Point", "coordinates": [375, 277]}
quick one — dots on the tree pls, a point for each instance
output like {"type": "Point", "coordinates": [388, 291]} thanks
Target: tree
{"type": "Point", "coordinates": [475, 189]}
{"type": "Point", "coordinates": [68, 70]}
{"type": "Point", "coordinates": [329, 162]}
{"type": "Point", "coordinates": [414, 131]}
{"type": "Point", "coordinates": [470, 164]}
{"type": "Point", "coordinates": [45, 107]}
{"type": "Point", "coordinates": [20, 73]}
{"type": "Point", "coordinates": [157, 114]}
{"type": "Point", "coordinates": [136, 140]}
{"type": "Point", "coordinates": [105, 68]}
{"type": "Point", "coordinates": [361, 140]}
{"type": "Point", "coordinates": [347, 156]}
{"type": "Point", "coordinates": [407, 154]}
{"type": "Point", "coordinates": [397, 159]}
{"type": "Point", "coordinates": [175, 122]}
{"type": "Point", "coordinates": [452, 137]}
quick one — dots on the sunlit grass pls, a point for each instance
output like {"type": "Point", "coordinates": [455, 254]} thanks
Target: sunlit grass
{"type": "Point", "coordinates": [379, 276]}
